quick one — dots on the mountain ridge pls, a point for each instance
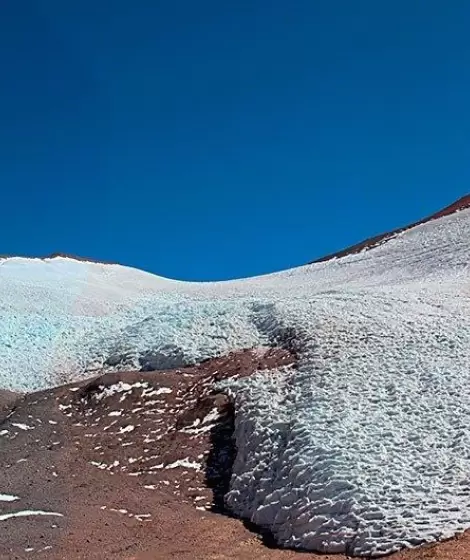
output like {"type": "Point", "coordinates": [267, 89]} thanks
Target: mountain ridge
{"type": "Point", "coordinates": [372, 242]}
{"type": "Point", "coordinates": [367, 244]}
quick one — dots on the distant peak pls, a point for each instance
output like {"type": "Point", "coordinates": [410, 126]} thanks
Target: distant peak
{"type": "Point", "coordinates": [76, 258]}
{"type": "Point", "coordinates": [372, 242]}
{"type": "Point", "coordinates": [59, 255]}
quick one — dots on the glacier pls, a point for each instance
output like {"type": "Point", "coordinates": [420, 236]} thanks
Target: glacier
{"type": "Point", "coordinates": [362, 448]}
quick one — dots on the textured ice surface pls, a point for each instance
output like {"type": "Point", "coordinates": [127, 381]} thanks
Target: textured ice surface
{"type": "Point", "coordinates": [364, 448]}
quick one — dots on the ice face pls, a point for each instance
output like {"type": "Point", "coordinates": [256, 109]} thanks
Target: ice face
{"type": "Point", "coordinates": [363, 448]}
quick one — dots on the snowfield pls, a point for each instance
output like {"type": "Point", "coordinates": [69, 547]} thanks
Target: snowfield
{"type": "Point", "coordinates": [363, 448]}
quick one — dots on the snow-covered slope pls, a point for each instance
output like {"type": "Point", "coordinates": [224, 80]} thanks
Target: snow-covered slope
{"type": "Point", "coordinates": [364, 448]}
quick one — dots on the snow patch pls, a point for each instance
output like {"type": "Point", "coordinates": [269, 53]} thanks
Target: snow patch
{"type": "Point", "coordinates": [23, 427]}
{"type": "Point", "coordinates": [186, 463]}
{"type": "Point", "coordinates": [127, 429]}
{"type": "Point", "coordinates": [8, 498]}
{"type": "Point", "coordinates": [28, 513]}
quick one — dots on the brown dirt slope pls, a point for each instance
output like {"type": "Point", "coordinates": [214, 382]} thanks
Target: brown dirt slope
{"type": "Point", "coordinates": [7, 400]}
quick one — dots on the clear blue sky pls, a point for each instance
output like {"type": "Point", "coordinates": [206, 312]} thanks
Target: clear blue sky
{"type": "Point", "coordinates": [209, 140]}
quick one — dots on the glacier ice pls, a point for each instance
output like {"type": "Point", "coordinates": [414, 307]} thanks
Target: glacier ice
{"type": "Point", "coordinates": [363, 447]}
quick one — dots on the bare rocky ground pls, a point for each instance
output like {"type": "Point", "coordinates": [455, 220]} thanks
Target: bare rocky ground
{"type": "Point", "coordinates": [134, 466]}
{"type": "Point", "coordinates": [7, 398]}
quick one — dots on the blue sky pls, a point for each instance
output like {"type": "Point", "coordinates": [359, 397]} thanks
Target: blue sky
{"type": "Point", "coordinates": [211, 140]}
